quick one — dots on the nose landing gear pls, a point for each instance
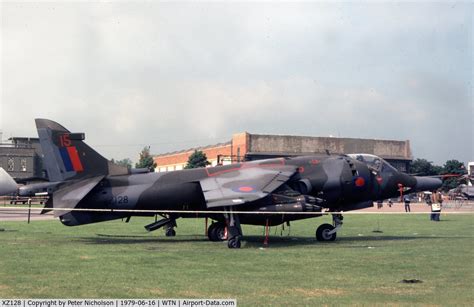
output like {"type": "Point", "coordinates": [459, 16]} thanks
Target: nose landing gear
{"type": "Point", "coordinates": [328, 232]}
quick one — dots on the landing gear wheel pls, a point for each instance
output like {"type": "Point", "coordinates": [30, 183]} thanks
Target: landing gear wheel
{"type": "Point", "coordinates": [323, 235]}
{"type": "Point", "coordinates": [234, 242]}
{"type": "Point", "coordinates": [216, 232]}
{"type": "Point", "coordinates": [170, 232]}
{"type": "Point", "coordinates": [234, 231]}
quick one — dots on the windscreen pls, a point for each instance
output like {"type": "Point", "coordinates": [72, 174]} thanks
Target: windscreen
{"type": "Point", "coordinates": [373, 162]}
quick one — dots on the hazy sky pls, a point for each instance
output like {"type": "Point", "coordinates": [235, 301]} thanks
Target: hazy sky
{"type": "Point", "coordinates": [176, 75]}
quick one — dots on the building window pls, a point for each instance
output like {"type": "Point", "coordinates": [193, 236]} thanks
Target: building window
{"type": "Point", "coordinates": [23, 164]}
{"type": "Point", "coordinates": [11, 164]}
{"type": "Point", "coordinates": [238, 154]}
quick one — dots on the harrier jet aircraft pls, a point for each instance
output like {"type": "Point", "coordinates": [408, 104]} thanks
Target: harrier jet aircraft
{"type": "Point", "coordinates": [265, 192]}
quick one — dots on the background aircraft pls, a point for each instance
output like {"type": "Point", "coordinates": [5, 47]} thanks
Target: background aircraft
{"type": "Point", "coordinates": [462, 191]}
{"type": "Point", "coordinates": [265, 192]}
{"type": "Point", "coordinates": [7, 184]}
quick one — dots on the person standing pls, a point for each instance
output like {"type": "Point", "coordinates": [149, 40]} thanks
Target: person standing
{"type": "Point", "coordinates": [406, 199]}
{"type": "Point", "coordinates": [429, 202]}
{"type": "Point", "coordinates": [436, 205]}
{"type": "Point", "coordinates": [379, 204]}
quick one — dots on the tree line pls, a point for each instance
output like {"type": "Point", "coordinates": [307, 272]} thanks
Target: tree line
{"type": "Point", "coordinates": [195, 160]}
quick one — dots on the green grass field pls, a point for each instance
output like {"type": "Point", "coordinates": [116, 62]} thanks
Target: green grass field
{"type": "Point", "coordinates": [117, 260]}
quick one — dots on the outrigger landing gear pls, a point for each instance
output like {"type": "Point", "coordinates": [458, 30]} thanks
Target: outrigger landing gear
{"type": "Point", "coordinates": [328, 232]}
{"type": "Point", "coordinates": [234, 231]}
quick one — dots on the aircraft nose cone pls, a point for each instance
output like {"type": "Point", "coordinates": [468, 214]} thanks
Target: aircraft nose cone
{"type": "Point", "coordinates": [427, 184]}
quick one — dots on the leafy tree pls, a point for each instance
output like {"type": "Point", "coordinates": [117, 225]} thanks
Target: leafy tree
{"type": "Point", "coordinates": [455, 167]}
{"type": "Point", "coordinates": [197, 159]}
{"type": "Point", "coordinates": [424, 167]}
{"type": "Point", "coordinates": [146, 160]}
{"type": "Point", "coordinates": [124, 162]}
{"type": "Point", "coordinates": [452, 167]}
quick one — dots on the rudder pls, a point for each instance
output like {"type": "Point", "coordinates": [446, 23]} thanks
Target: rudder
{"type": "Point", "coordinates": [67, 157]}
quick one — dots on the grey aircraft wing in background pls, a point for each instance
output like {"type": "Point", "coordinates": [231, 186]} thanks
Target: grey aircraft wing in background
{"type": "Point", "coordinates": [7, 184]}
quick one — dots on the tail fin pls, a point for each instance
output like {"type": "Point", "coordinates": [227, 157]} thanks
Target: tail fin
{"type": "Point", "coordinates": [67, 157]}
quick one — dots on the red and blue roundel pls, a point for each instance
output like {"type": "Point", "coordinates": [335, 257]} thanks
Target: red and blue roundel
{"type": "Point", "coordinates": [359, 182]}
{"type": "Point", "coordinates": [243, 189]}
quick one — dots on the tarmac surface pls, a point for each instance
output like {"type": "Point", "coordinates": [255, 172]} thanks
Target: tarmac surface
{"type": "Point", "coordinates": [419, 207]}
{"type": "Point", "coordinates": [17, 213]}
{"type": "Point", "coordinates": [21, 214]}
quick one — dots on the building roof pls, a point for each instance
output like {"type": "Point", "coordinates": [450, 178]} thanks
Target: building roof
{"type": "Point", "coordinates": [193, 149]}
{"type": "Point", "coordinates": [23, 138]}
{"type": "Point", "coordinates": [296, 145]}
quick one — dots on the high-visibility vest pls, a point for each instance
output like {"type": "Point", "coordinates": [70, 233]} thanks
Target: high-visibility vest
{"type": "Point", "coordinates": [435, 207]}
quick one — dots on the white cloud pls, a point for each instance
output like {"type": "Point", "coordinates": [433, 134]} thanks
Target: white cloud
{"type": "Point", "coordinates": [132, 73]}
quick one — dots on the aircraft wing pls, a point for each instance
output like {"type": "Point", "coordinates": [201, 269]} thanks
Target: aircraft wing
{"type": "Point", "coordinates": [69, 196]}
{"type": "Point", "coordinates": [244, 185]}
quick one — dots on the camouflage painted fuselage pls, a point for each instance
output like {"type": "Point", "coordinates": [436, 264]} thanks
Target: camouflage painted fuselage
{"type": "Point", "coordinates": [340, 183]}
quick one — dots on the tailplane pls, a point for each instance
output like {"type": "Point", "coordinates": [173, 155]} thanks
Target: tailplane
{"type": "Point", "coordinates": [67, 157]}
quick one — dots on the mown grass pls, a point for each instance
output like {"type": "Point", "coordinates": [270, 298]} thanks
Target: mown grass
{"type": "Point", "coordinates": [117, 260]}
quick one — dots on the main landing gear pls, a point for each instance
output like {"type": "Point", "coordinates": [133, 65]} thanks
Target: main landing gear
{"type": "Point", "coordinates": [328, 232]}
{"type": "Point", "coordinates": [169, 223]}
{"type": "Point", "coordinates": [234, 231]}
{"type": "Point", "coordinates": [170, 232]}
{"type": "Point", "coordinates": [230, 230]}
{"type": "Point", "coordinates": [169, 228]}
{"type": "Point", "coordinates": [217, 232]}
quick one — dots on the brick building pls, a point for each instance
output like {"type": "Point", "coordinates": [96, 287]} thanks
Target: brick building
{"type": "Point", "coordinates": [22, 157]}
{"type": "Point", "coordinates": [245, 146]}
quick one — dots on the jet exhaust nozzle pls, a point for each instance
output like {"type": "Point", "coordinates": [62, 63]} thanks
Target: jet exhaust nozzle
{"type": "Point", "coordinates": [427, 184]}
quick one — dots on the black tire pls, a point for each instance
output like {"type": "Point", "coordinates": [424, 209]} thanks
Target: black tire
{"type": "Point", "coordinates": [220, 233]}
{"type": "Point", "coordinates": [322, 233]}
{"type": "Point", "coordinates": [234, 242]}
{"type": "Point", "coordinates": [170, 232]}
{"type": "Point", "coordinates": [211, 233]}
{"type": "Point", "coordinates": [216, 232]}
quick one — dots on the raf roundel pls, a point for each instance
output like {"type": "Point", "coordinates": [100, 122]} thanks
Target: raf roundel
{"type": "Point", "coordinates": [245, 189]}
{"type": "Point", "coordinates": [359, 182]}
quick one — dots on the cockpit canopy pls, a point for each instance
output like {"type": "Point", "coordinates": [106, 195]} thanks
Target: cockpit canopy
{"type": "Point", "coordinates": [373, 162]}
